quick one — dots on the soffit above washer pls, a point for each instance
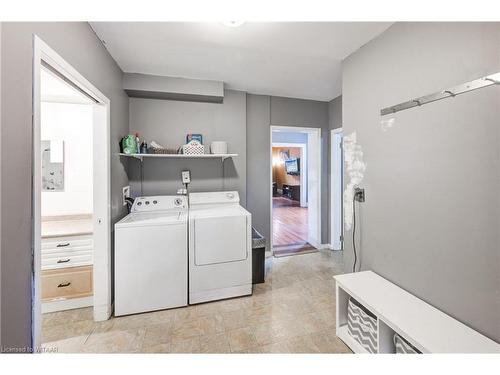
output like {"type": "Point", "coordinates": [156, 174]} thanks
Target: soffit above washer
{"type": "Point", "coordinates": [292, 59]}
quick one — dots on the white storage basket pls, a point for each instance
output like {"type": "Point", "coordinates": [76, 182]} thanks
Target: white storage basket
{"type": "Point", "coordinates": [218, 147]}
{"type": "Point", "coordinates": [404, 347]}
{"type": "Point", "coordinates": [362, 326]}
{"type": "Point", "coordinates": [193, 148]}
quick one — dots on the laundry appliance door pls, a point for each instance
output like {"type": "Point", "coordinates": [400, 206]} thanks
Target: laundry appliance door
{"type": "Point", "coordinates": [220, 239]}
{"type": "Point", "coordinates": [151, 266]}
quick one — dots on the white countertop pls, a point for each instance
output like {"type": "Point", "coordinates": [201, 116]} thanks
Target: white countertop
{"type": "Point", "coordinates": [62, 226]}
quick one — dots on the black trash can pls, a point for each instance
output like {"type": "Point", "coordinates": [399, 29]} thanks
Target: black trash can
{"type": "Point", "coordinates": [258, 257]}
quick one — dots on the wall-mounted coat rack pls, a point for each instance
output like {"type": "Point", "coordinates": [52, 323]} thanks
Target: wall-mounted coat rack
{"type": "Point", "coordinates": [493, 79]}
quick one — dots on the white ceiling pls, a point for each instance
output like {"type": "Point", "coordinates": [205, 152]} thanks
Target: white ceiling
{"type": "Point", "coordinates": [294, 59]}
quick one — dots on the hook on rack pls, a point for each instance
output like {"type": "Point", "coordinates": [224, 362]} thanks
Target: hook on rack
{"type": "Point", "coordinates": [496, 82]}
{"type": "Point", "coordinates": [492, 79]}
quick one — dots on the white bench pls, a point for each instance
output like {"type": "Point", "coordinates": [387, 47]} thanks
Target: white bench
{"type": "Point", "coordinates": [397, 311]}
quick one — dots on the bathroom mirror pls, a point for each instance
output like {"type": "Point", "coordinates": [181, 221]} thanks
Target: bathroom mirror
{"type": "Point", "coordinates": [53, 165]}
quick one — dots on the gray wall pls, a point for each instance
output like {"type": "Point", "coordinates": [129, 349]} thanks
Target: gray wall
{"type": "Point", "coordinates": [262, 112]}
{"type": "Point", "coordinates": [167, 122]}
{"type": "Point", "coordinates": [334, 122]}
{"type": "Point", "coordinates": [0, 184]}
{"type": "Point", "coordinates": [430, 222]}
{"type": "Point", "coordinates": [173, 88]}
{"type": "Point", "coordinates": [335, 113]}
{"type": "Point", "coordinates": [313, 114]}
{"type": "Point", "coordinates": [244, 121]}
{"type": "Point", "coordinates": [259, 162]}
{"type": "Point", "coordinates": [76, 43]}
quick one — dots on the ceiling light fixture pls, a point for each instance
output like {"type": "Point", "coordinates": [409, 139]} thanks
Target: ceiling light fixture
{"type": "Point", "coordinates": [233, 23]}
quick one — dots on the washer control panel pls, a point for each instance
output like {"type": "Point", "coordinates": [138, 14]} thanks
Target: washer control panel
{"type": "Point", "coordinates": [159, 203]}
{"type": "Point", "coordinates": [217, 197]}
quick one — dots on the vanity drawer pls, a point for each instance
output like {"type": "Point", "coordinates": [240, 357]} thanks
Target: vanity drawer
{"type": "Point", "coordinates": [65, 283]}
{"type": "Point", "coordinates": [67, 259]}
{"type": "Point", "coordinates": [70, 251]}
{"type": "Point", "coordinates": [65, 243]}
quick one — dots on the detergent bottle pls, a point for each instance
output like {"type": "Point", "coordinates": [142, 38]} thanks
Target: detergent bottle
{"type": "Point", "coordinates": [129, 145]}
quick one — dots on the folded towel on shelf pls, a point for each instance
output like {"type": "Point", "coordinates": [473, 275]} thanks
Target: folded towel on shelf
{"type": "Point", "coordinates": [156, 145]}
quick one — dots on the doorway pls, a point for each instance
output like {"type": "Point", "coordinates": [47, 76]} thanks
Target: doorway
{"type": "Point", "coordinates": [336, 183]}
{"type": "Point", "coordinates": [295, 190]}
{"type": "Point", "coordinates": [71, 213]}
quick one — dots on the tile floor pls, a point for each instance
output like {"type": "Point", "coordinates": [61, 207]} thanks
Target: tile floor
{"type": "Point", "coordinates": [293, 312]}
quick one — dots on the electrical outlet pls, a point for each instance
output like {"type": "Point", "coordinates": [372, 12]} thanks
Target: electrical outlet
{"type": "Point", "coordinates": [126, 194]}
{"type": "Point", "coordinates": [359, 194]}
{"type": "Point", "coordinates": [186, 177]}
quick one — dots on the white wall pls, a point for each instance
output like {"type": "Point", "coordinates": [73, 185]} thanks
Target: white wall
{"type": "Point", "coordinates": [71, 123]}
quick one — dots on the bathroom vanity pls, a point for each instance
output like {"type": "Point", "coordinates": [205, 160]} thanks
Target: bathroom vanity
{"type": "Point", "coordinates": [67, 262]}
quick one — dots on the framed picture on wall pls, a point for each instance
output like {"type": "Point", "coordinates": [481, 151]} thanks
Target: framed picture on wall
{"type": "Point", "coordinates": [196, 137]}
{"type": "Point", "coordinates": [53, 165]}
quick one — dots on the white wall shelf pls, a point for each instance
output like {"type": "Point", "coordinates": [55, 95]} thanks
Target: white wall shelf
{"type": "Point", "coordinates": [425, 327]}
{"type": "Point", "coordinates": [179, 156]}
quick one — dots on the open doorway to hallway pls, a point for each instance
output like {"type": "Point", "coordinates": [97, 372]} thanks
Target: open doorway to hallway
{"type": "Point", "coordinates": [295, 211]}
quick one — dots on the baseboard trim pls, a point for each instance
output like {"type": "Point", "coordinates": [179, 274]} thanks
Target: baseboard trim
{"type": "Point", "coordinates": [67, 304]}
{"type": "Point", "coordinates": [325, 246]}
{"type": "Point", "coordinates": [103, 312]}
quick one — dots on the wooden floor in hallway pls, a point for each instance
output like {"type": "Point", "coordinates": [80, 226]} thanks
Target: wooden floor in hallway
{"type": "Point", "coordinates": [290, 227]}
{"type": "Point", "coordinates": [289, 222]}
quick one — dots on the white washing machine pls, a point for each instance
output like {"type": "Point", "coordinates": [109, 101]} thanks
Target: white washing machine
{"type": "Point", "coordinates": [151, 256]}
{"type": "Point", "coordinates": [220, 247]}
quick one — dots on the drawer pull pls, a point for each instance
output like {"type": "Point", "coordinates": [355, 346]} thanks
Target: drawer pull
{"type": "Point", "coordinates": [63, 260]}
{"type": "Point", "coordinates": [63, 244]}
{"type": "Point", "coordinates": [64, 285]}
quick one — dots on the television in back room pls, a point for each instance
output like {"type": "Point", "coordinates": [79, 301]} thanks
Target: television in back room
{"type": "Point", "coordinates": [292, 166]}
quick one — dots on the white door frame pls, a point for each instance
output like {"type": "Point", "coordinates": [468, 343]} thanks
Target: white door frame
{"type": "Point", "coordinates": [314, 159]}
{"type": "Point", "coordinates": [336, 215]}
{"type": "Point", "coordinates": [303, 168]}
{"type": "Point", "coordinates": [101, 191]}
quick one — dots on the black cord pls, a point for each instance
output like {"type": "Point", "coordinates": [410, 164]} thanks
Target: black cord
{"type": "Point", "coordinates": [354, 232]}
{"type": "Point", "coordinates": [142, 176]}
